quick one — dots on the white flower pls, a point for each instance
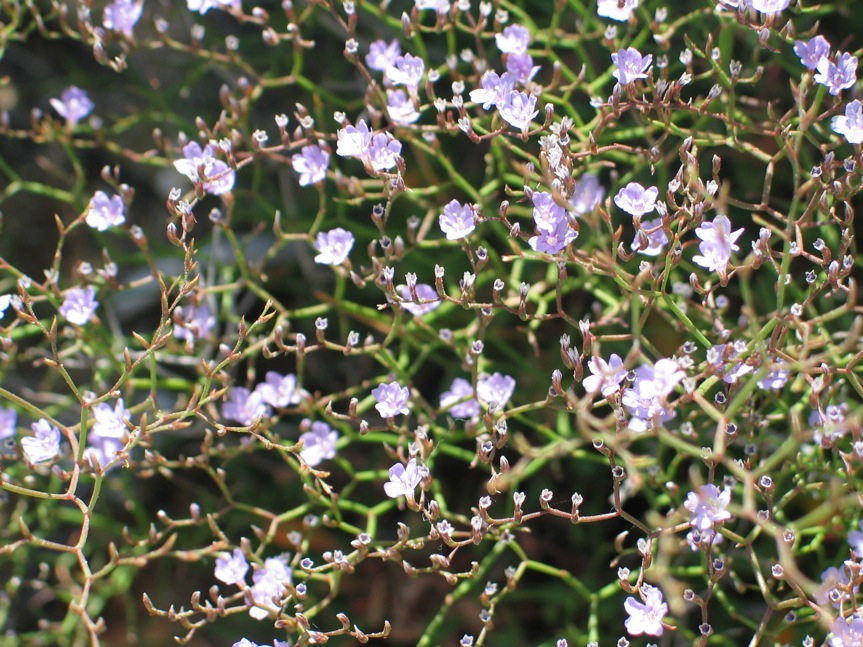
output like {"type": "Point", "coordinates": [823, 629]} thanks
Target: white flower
{"type": "Point", "coordinates": [44, 445]}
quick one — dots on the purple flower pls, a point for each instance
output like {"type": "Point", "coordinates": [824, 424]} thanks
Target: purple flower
{"type": "Point", "coordinates": [812, 51]}
{"type": "Point", "coordinates": [513, 40]}
{"type": "Point", "coordinates": [102, 450]}
{"type": "Point", "coordinates": [657, 239]}
{"type": "Point", "coordinates": [518, 110]}
{"type": "Point", "coordinates": [495, 89]}
{"type": "Point", "coordinates": [459, 401]}
{"type": "Point", "coordinates": [382, 55]}
{"type": "Point", "coordinates": [400, 108]}
{"type": "Point", "coordinates": [245, 406]}
{"type": "Point", "coordinates": [279, 390]}
{"type": "Point", "coordinates": [776, 377]}
{"type": "Point", "coordinates": [428, 299]}
{"type": "Point", "coordinates": [521, 67]}
{"type": "Point", "coordinates": [110, 422]}
{"type": "Point", "coordinates": [354, 141]}
{"type": "Point", "coordinates": [404, 479]}
{"type": "Point", "coordinates": [700, 539]}
{"type": "Point", "coordinates": [269, 585]}
{"type": "Point", "coordinates": [105, 212]}
{"type": "Point", "coordinates": [631, 65]}
{"type": "Point", "coordinates": [717, 243]}
{"type": "Point", "coordinates": [8, 420]}
{"type": "Point", "coordinates": [43, 445]}
{"type": "Point", "coordinates": [605, 376]}
{"type": "Point", "coordinates": [311, 163]}
{"type": "Point", "coordinates": [830, 425]}
{"type": "Point", "coordinates": [203, 6]}
{"type": "Point", "coordinates": [384, 151]}
{"type": "Point", "coordinates": [720, 357]}
{"type": "Point", "coordinates": [441, 6]}
{"type": "Point", "coordinates": [646, 399]}
{"type": "Point", "coordinates": [79, 305]}
{"type": "Point", "coordinates": [407, 70]}
{"type": "Point", "coordinates": [334, 246]}
{"type": "Point", "coordinates": [495, 390]}
{"type": "Point", "coordinates": [645, 617]}
{"type": "Point", "coordinates": [193, 322]}
{"type": "Point", "coordinates": [834, 579]}
{"type": "Point", "coordinates": [769, 6]}
{"type": "Point", "coordinates": [708, 506]}
{"type": "Point", "coordinates": [200, 165]}
{"type": "Point", "coordinates": [837, 76]}
{"type": "Point", "coordinates": [635, 200]}
{"type": "Point", "coordinates": [392, 399]}
{"type": "Point", "coordinates": [553, 238]}
{"type": "Point", "coordinates": [457, 220]}
{"type": "Point", "coordinates": [121, 15]}
{"type": "Point", "coordinates": [846, 632]}
{"type": "Point", "coordinates": [616, 9]}
{"type": "Point", "coordinates": [73, 105]}
{"type": "Point", "coordinates": [587, 194]}
{"type": "Point", "coordinates": [318, 444]}
{"type": "Point", "coordinates": [850, 125]}
{"type": "Point", "coordinates": [232, 569]}
{"type": "Point", "coordinates": [855, 540]}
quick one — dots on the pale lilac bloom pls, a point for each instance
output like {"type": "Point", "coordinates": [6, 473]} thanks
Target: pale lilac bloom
{"type": "Point", "coordinates": [43, 445]}
{"type": "Point", "coordinates": [392, 399]}
{"type": "Point", "coordinates": [829, 426]}
{"type": "Point", "coordinates": [521, 67]}
{"type": "Point", "coordinates": [333, 246]}
{"type": "Point", "coordinates": [104, 212]}
{"type": "Point", "coordinates": [245, 642]}
{"type": "Point", "coordinates": [635, 200]}
{"type": "Point", "coordinates": [8, 420]}
{"type": "Point", "coordinates": [382, 55]}
{"type": "Point", "coordinates": [319, 443]}
{"type": "Point", "coordinates": [407, 70]}
{"type": "Point", "coordinates": [216, 177]}
{"type": "Point", "coordinates": [546, 212]}
{"type": "Point", "coordinates": [203, 6]}
{"type": "Point", "coordinates": [73, 105]}
{"type": "Point", "coordinates": [846, 632]}
{"type": "Point", "coordinates": [837, 76]}
{"type": "Point", "coordinates": [232, 568]}
{"type": "Point", "coordinates": [851, 124]}
{"type": "Point", "coordinates": [645, 617]}
{"type": "Point", "coordinates": [110, 422]}
{"type": "Point", "coordinates": [193, 322]}
{"type": "Point", "coordinates": [495, 89]}
{"type": "Point", "coordinates": [457, 220]}
{"type": "Point", "coordinates": [587, 194]}
{"type": "Point", "coordinates": [121, 15]}
{"type": "Point", "coordinates": [605, 376]}
{"type": "Point", "coordinates": [400, 108]}
{"type": "Point", "coordinates": [833, 579]}
{"type": "Point", "coordinates": [353, 141]}
{"type": "Point", "coordinates": [495, 390]}
{"type": "Point", "coordinates": [311, 163]}
{"type": "Point", "coordinates": [657, 239]}
{"type": "Point", "coordinates": [855, 540]}
{"type": "Point", "coordinates": [269, 584]}
{"type": "Point", "coordinates": [513, 40]}
{"type": "Point", "coordinates": [776, 377]}
{"type": "Point", "coordinates": [518, 110]}
{"type": "Point", "coordinates": [721, 357]}
{"type": "Point", "coordinates": [812, 51]}
{"type": "Point", "coordinates": [441, 6]}
{"type": "Point", "coordinates": [554, 238]}
{"type": "Point", "coordinates": [102, 450]}
{"type": "Point", "coordinates": [428, 299]}
{"type": "Point", "coordinates": [404, 479]}
{"type": "Point", "coordinates": [631, 65]}
{"type": "Point", "coordinates": [79, 305]}
{"type": "Point", "coordinates": [708, 506]}
{"type": "Point", "coordinates": [279, 390]}
{"type": "Point", "coordinates": [700, 539]}
{"type": "Point", "coordinates": [384, 151]}
{"type": "Point", "coordinates": [615, 9]}
{"type": "Point", "coordinates": [717, 243]}
{"type": "Point", "coordinates": [769, 6]}
{"type": "Point", "coordinates": [646, 399]}
{"type": "Point", "coordinates": [459, 401]}
{"type": "Point", "coordinates": [245, 406]}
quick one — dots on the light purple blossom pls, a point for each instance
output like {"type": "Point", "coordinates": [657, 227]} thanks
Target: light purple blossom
{"type": "Point", "coordinates": [122, 15]}
{"type": "Point", "coordinates": [269, 584]}
{"type": "Point", "coordinates": [546, 212]}
{"type": "Point", "coordinates": [587, 194]}
{"type": "Point", "coordinates": [829, 426]}
{"type": "Point", "coordinates": [495, 390]}
{"type": "Point", "coordinates": [846, 632]}
{"type": "Point", "coordinates": [401, 108]}
{"type": "Point", "coordinates": [851, 124]}
{"type": "Point", "coordinates": [102, 450]}
{"type": "Point", "coordinates": [521, 67]}
{"type": "Point", "coordinates": [513, 40]}
{"type": "Point", "coordinates": [657, 239]}
{"type": "Point", "coordinates": [428, 299]}
{"type": "Point", "coordinates": [79, 305]}
{"type": "Point", "coordinates": [319, 443]}
{"type": "Point", "coordinates": [203, 6]}
{"type": "Point", "coordinates": [382, 55]}
{"type": "Point", "coordinates": [311, 163]}
{"type": "Point", "coordinates": [554, 237]}
{"type": "Point", "coordinates": [201, 165]}
{"type": "Point", "coordinates": [441, 6]}
{"type": "Point", "coordinates": [635, 200]}
{"type": "Point", "coordinates": [855, 540]}
{"type": "Point", "coordinates": [518, 110]}
{"type": "Point", "coordinates": [104, 212]}
{"type": "Point", "coordinates": [776, 377]}
{"type": "Point", "coordinates": [833, 579]}
{"type": "Point", "coordinates": [8, 420]}
{"type": "Point", "coordinates": [615, 9]}
{"type": "Point", "coordinates": [645, 617]}
{"type": "Point", "coordinates": [457, 220]}
{"type": "Point", "coordinates": [73, 105]}
{"type": "Point", "coordinates": [459, 401]}
{"type": "Point", "coordinates": [279, 390]}
{"type": "Point", "coordinates": [404, 479]}
{"type": "Point", "coordinates": [700, 539]}
{"type": "Point", "coordinates": [645, 401]}
{"type": "Point", "coordinates": [837, 76]}
{"type": "Point", "coordinates": [605, 376]}
{"type": "Point", "coordinates": [392, 399]}
{"type": "Point", "coordinates": [384, 151]}
{"type": "Point", "coordinates": [707, 506]}
{"type": "Point", "coordinates": [769, 6]}
{"type": "Point", "coordinates": [407, 70]}
{"type": "Point", "coordinates": [110, 422]}
{"type": "Point", "coordinates": [631, 65]}
{"type": "Point", "coordinates": [717, 243]}
{"type": "Point", "coordinates": [43, 445]}
{"type": "Point", "coordinates": [354, 141]}
{"type": "Point", "coordinates": [245, 406]}
{"type": "Point", "coordinates": [193, 322]}
{"type": "Point", "coordinates": [245, 642]}
{"type": "Point", "coordinates": [812, 51]}
{"type": "Point", "coordinates": [720, 357]}
{"type": "Point", "coordinates": [495, 90]}
{"type": "Point", "coordinates": [333, 246]}
{"type": "Point", "coordinates": [232, 568]}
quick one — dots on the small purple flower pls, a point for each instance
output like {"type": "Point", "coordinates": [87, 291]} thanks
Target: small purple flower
{"type": "Point", "coordinates": [553, 238]}
{"type": "Point", "coordinates": [203, 6]}
{"type": "Point", "coordinates": [201, 165]}
{"type": "Point", "coordinates": [521, 67]}
{"type": "Point", "coordinates": [834, 579]}
{"type": "Point", "coordinates": [110, 422]}
{"type": "Point", "coordinates": [43, 445]}
{"type": "Point", "coordinates": [79, 305]}
{"type": "Point", "coordinates": [700, 539]}
{"type": "Point", "coordinates": [495, 390]}
{"type": "Point", "coordinates": [855, 540]}
{"type": "Point", "coordinates": [318, 444]}
{"type": "Point", "coordinates": [457, 220]}
{"type": "Point", "coordinates": [645, 617]}
{"type": "Point", "coordinates": [708, 506]}
{"type": "Point", "coordinates": [428, 299]}
{"type": "Point", "coordinates": [232, 569]}
{"type": "Point", "coordinates": [279, 390]}
{"type": "Point", "coordinates": [851, 124]}
{"type": "Point", "coordinates": [846, 632]}
{"type": "Point", "coordinates": [513, 40]}
{"type": "Point", "coordinates": [837, 76]}
{"type": "Point", "coordinates": [311, 163]}
{"type": "Point", "coordinates": [616, 9]}
{"type": "Point", "coordinates": [605, 376]}
{"type": "Point", "coordinates": [105, 212]}
{"type": "Point", "coordinates": [245, 406]}
{"type": "Point", "coordinates": [382, 55]}
{"type": "Point", "coordinates": [459, 401]}
{"type": "Point", "coordinates": [73, 105]}
{"type": "Point", "coordinates": [407, 70]}
{"type": "Point", "coordinates": [657, 239]}
{"type": "Point", "coordinates": [193, 322]}
{"type": "Point", "coordinates": [384, 151]}
{"type": "Point", "coordinates": [354, 141]}
{"type": "Point", "coordinates": [720, 357]}
{"type": "Point", "coordinates": [635, 200]}
{"type": "Point", "coordinates": [102, 451]}
{"type": "Point", "coordinates": [631, 65]}
{"type": "Point", "coordinates": [400, 108]}
{"type": "Point", "coordinates": [769, 6]}
{"type": "Point", "coordinates": [812, 51]}
{"type": "Point", "coordinates": [269, 584]}
{"type": "Point", "coordinates": [8, 420]}
{"type": "Point", "coordinates": [404, 480]}
{"type": "Point", "coordinates": [587, 194]}
{"type": "Point", "coordinates": [717, 243]}
{"type": "Point", "coordinates": [776, 377]}
{"type": "Point", "coordinates": [645, 401]}
{"type": "Point", "coordinates": [121, 16]}
{"type": "Point", "coordinates": [392, 399]}
{"type": "Point", "coordinates": [441, 6]}
{"type": "Point", "coordinates": [495, 89]}
{"type": "Point", "coordinates": [518, 110]}
{"type": "Point", "coordinates": [333, 246]}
